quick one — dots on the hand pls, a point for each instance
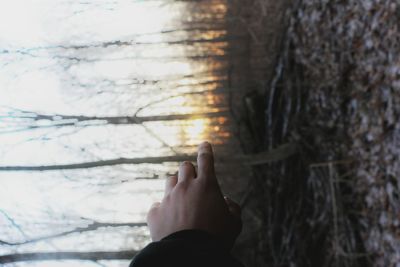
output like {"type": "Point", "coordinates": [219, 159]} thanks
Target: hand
{"type": "Point", "coordinates": [195, 202]}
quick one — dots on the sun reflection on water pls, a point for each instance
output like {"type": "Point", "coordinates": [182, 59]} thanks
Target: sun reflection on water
{"type": "Point", "coordinates": [196, 129]}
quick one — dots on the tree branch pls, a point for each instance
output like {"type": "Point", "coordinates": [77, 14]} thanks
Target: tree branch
{"type": "Point", "coordinates": [85, 121]}
{"type": "Point", "coordinates": [91, 256]}
{"type": "Point", "coordinates": [91, 227]}
{"type": "Point", "coordinates": [68, 120]}
{"type": "Point", "coordinates": [277, 154]}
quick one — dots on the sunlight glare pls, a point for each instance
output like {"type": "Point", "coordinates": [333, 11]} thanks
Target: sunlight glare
{"type": "Point", "coordinates": [196, 129]}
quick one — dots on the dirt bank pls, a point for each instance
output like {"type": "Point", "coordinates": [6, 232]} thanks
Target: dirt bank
{"type": "Point", "coordinates": [330, 82]}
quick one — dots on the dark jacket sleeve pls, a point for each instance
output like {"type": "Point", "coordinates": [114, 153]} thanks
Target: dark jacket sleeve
{"type": "Point", "coordinates": [189, 248]}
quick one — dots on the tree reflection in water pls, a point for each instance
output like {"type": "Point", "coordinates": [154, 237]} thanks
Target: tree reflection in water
{"type": "Point", "coordinates": [77, 80]}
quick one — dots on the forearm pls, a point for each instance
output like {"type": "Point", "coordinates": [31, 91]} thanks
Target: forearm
{"type": "Point", "coordinates": [186, 248]}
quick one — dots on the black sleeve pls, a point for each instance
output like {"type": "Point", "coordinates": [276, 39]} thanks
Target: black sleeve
{"type": "Point", "coordinates": [188, 248]}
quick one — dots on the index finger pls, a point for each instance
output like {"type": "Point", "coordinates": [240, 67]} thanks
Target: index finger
{"type": "Point", "coordinates": [205, 161]}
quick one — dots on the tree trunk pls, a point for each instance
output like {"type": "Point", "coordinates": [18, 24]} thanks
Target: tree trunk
{"type": "Point", "coordinates": [277, 154]}
{"type": "Point", "coordinates": [91, 256]}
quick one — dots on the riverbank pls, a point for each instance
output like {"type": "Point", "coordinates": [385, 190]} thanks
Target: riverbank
{"type": "Point", "coordinates": [329, 82]}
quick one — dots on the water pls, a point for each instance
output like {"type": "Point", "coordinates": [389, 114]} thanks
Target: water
{"type": "Point", "coordinates": [110, 59]}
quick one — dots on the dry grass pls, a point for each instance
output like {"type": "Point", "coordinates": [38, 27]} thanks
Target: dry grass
{"type": "Point", "coordinates": [336, 91]}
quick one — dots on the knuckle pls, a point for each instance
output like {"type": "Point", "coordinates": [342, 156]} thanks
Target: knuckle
{"type": "Point", "coordinates": [206, 160]}
{"type": "Point", "coordinates": [186, 164]}
{"type": "Point", "coordinates": [171, 178]}
{"type": "Point", "coordinates": [181, 187]}
{"type": "Point", "coordinates": [150, 215]}
{"type": "Point", "coordinates": [204, 155]}
{"type": "Point", "coordinates": [170, 182]}
{"type": "Point", "coordinates": [167, 198]}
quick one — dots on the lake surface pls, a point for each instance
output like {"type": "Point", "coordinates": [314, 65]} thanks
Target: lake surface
{"type": "Point", "coordinates": [88, 81]}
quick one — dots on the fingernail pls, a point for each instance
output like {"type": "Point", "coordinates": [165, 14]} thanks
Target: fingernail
{"type": "Point", "coordinates": [205, 146]}
{"type": "Point", "coordinates": [205, 143]}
